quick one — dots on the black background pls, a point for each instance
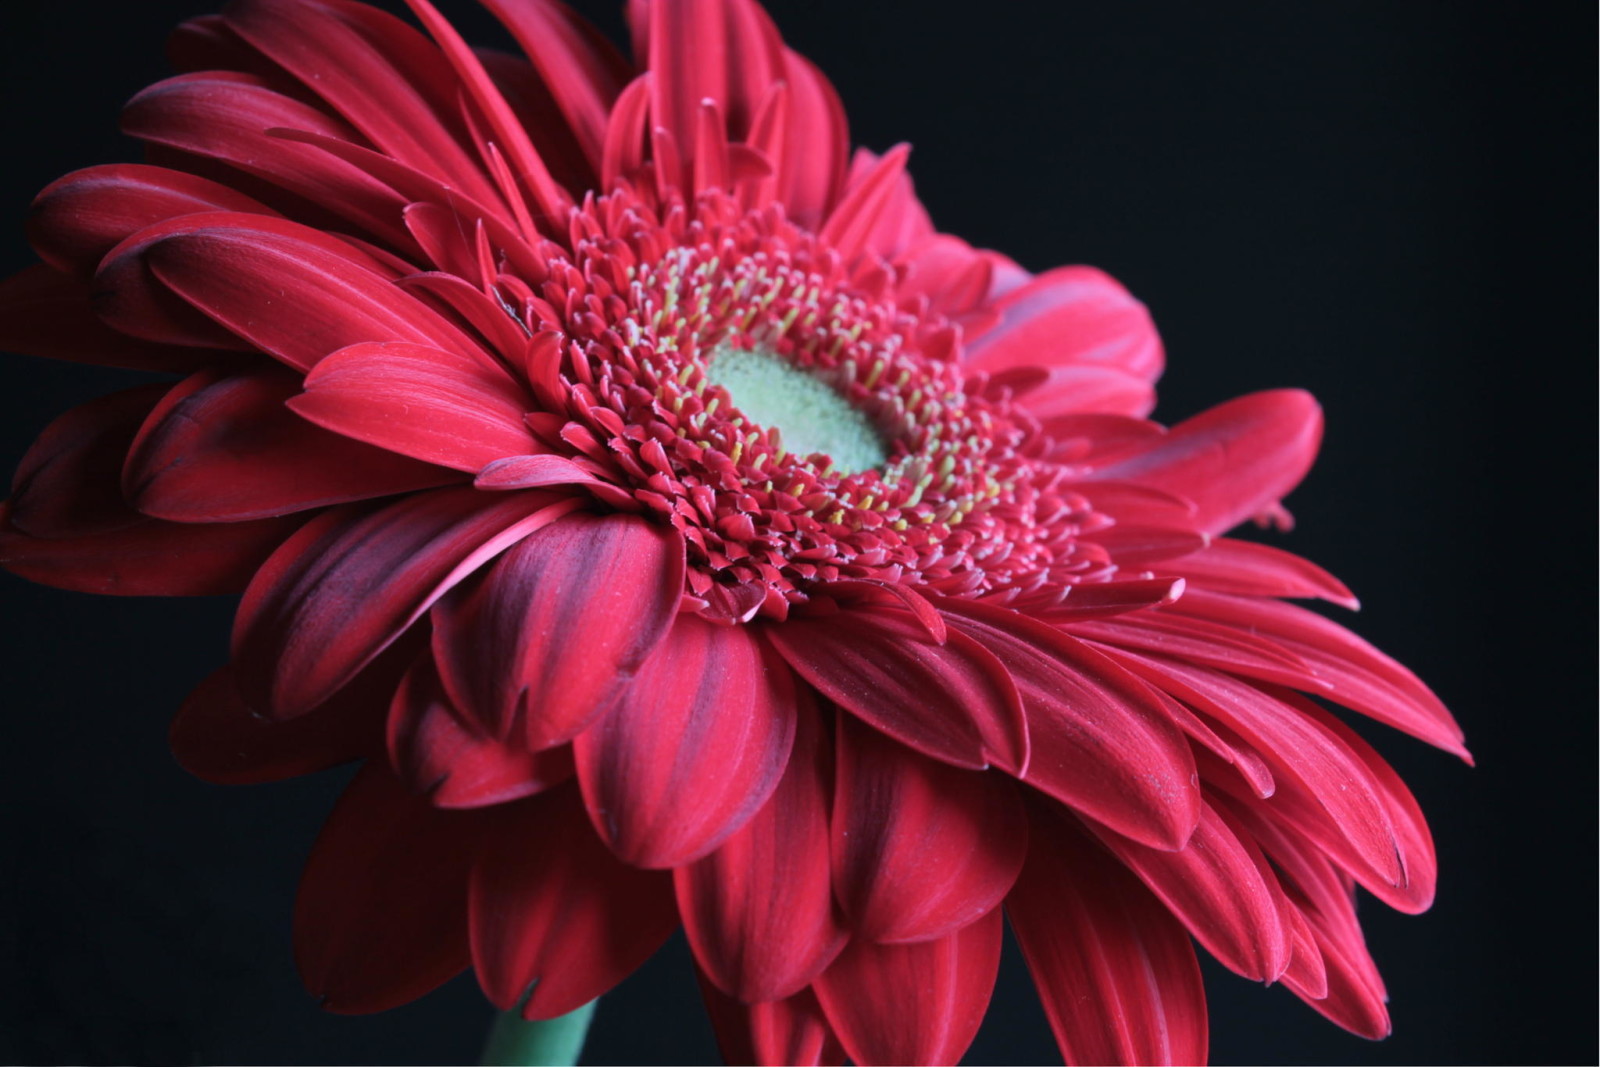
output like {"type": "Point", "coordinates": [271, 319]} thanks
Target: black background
{"type": "Point", "coordinates": [1389, 204]}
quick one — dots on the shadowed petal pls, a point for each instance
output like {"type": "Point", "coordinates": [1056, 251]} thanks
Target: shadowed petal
{"type": "Point", "coordinates": [920, 849]}
{"type": "Point", "coordinates": [912, 1004]}
{"type": "Point", "coordinates": [1117, 974]}
{"type": "Point", "coordinates": [758, 910]}
{"type": "Point", "coordinates": [781, 1032]}
{"type": "Point", "coordinates": [692, 749]}
{"type": "Point", "coordinates": [552, 910]}
{"type": "Point", "coordinates": [360, 945]}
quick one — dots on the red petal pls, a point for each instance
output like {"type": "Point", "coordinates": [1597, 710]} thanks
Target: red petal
{"type": "Point", "coordinates": [1234, 461]}
{"type": "Point", "coordinates": [920, 849]}
{"type": "Point", "coordinates": [758, 910]}
{"type": "Point", "coordinates": [48, 314]}
{"type": "Point", "coordinates": [1070, 316]}
{"type": "Point", "coordinates": [554, 911]}
{"type": "Point", "coordinates": [1250, 569]}
{"type": "Point", "coordinates": [216, 736]}
{"type": "Point", "coordinates": [912, 1004]}
{"type": "Point", "coordinates": [1221, 888]}
{"type": "Point", "coordinates": [580, 67]}
{"type": "Point", "coordinates": [77, 219]}
{"type": "Point", "coordinates": [343, 587]}
{"type": "Point", "coordinates": [381, 914]}
{"type": "Point", "coordinates": [692, 749]}
{"type": "Point", "coordinates": [438, 406]}
{"type": "Point", "coordinates": [222, 447]}
{"type": "Point", "coordinates": [561, 622]}
{"type": "Point", "coordinates": [858, 212]}
{"type": "Point", "coordinates": [1102, 743]}
{"type": "Point", "coordinates": [781, 1032]}
{"type": "Point", "coordinates": [816, 143]}
{"type": "Point", "coordinates": [439, 753]}
{"type": "Point", "coordinates": [952, 701]}
{"type": "Point", "coordinates": [1350, 670]}
{"type": "Point", "coordinates": [1117, 974]}
{"type": "Point", "coordinates": [226, 116]}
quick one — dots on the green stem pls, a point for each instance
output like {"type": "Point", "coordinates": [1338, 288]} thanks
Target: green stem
{"type": "Point", "coordinates": [515, 1042]}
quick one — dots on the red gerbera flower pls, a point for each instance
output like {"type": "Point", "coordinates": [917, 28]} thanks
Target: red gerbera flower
{"type": "Point", "coordinates": [684, 531]}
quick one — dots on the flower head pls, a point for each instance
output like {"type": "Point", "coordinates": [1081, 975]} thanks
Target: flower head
{"type": "Point", "coordinates": [684, 532]}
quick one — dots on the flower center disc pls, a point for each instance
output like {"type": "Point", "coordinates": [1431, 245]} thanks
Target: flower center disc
{"type": "Point", "coordinates": [807, 414]}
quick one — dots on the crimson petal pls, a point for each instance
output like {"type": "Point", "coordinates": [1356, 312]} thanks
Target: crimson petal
{"type": "Point", "coordinates": [554, 916]}
{"type": "Point", "coordinates": [920, 849]}
{"type": "Point", "coordinates": [952, 700]}
{"type": "Point", "coordinates": [1234, 461]}
{"type": "Point", "coordinates": [440, 406]}
{"type": "Point", "coordinates": [1116, 972]}
{"type": "Point", "coordinates": [559, 624]}
{"type": "Point", "coordinates": [438, 753]}
{"type": "Point", "coordinates": [758, 911]}
{"type": "Point", "coordinates": [1102, 743]}
{"type": "Point", "coordinates": [692, 749]}
{"type": "Point", "coordinates": [912, 1004]}
{"type": "Point", "coordinates": [222, 447]}
{"type": "Point", "coordinates": [1070, 315]}
{"type": "Point", "coordinates": [348, 582]}
{"type": "Point", "coordinates": [781, 1032]}
{"type": "Point", "coordinates": [360, 945]}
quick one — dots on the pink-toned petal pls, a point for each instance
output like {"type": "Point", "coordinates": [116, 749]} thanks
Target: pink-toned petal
{"type": "Point", "coordinates": [435, 405]}
{"type": "Point", "coordinates": [1249, 569]}
{"type": "Point", "coordinates": [48, 314]}
{"type": "Point", "coordinates": [779, 1033]}
{"type": "Point", "coordinates": [439, 752]}
{"type": "Point", "coordinates": [295, 294]}
{"type": "Point", "coordinates": [1078, 389]}
{"type": "Point", "coordinates": [920, 849]}
{"type": "Point", "coordinates": [218, 737]}
{"type": "Point", "coordinates": [225, 117]}
{"type": "Point", "coordinates": [905, 233]}
{"type": "Point", "coordinates": [361, 946]}
{"type": "Point", "coordinates": [912, 1004]}
{"type": "Point", "coordinates": [693, 747]}
{"type": "Point", "coordinates": [554, 916]}
{"type": "Point", "coordinates": [358, 82]}
{"type": "Point", "coordinates": [1234, 461]}
{"type": "Point", "coordinates": [1117, 974]}
{"type": "Point", "coordinates": [726, 51]}
{"type": "Point", "coordinates": [223, 447]}
{"type": "Point", "coordinates": [952, 701]}
{"type": "Point", "coordinates": [77, 219]}
{"type": "Point", "coordinates": [533, 472]}
{"type": "Point", "coordinates": [583, 71]}
{"type": "Point", "coordinates": [1099, 600]}
{"type": "Point", "coordinates": [1136, 547]}
{"type": "Point", "coordinates": [1221, 888]}
{"type": "Point", "coordinates": [1102, 744]}
{"type": "Point", "coordinates": [816, 144]}
{"type": "Point", "coordinates": [559, 625]}
{"type": "Point", "coordinates": [1351, 671]}
{"type": "Point", "coordinates": [340, 590]}
{"type": "Point", "coordinates": [859, 211]}
{"type": "Point", "coordinates": [758, 911]}
{"type": "Point", "coordinates": [1075, 316]}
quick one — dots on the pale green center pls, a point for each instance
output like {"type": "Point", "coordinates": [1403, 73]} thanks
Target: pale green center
{"type": "Point", "coordinates": [808, 414]}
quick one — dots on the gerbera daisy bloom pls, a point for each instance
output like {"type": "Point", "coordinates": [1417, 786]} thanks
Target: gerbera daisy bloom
{"type": "Point", "coordinates": [685, 533]}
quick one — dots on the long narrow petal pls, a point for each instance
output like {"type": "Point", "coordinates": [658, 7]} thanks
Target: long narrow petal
{"type": "Point", "coordinates": [360, 945]}
{"type": "Point", "coordinates": [554, 916]}
{"type": "Point", "coordinates": [1221, 888]}
{"type": "Point", "coordinates": [1234, 461]}
{"type": "Point", "coordinates": [692, 749]}
{"type": "Point", "coordinates": [222, 447]}
{"type": "Point", "coordinates": [435, 405]}
{"type": "Point", "coordinates": [920, 849]}
{"type": "Point", "coordinates": [1116, 972]}
{"type": "Point", "coordinates": [952, 701]}
{"type": "Point", "coordinates": [1074, 316]}
{"type": "Point", "coordinates": [1102, 743]}
{"type": "Point", "coordinates": [559, 624]}
{"type": "Point", "coordinates": [437, 751]}
{"type": "Point", "coordinates": [912, 1004]}
{"type": "Point", "coordinates": [1250, 569]}
{"type": "Point", "coordinates": [758, 911]}
{"type": "Point", "coordinates": [50, 315]}
{"type": "Point", "coordinates": [343, 587]}
{"type": "Point", "coordinates": [781, 1033]}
